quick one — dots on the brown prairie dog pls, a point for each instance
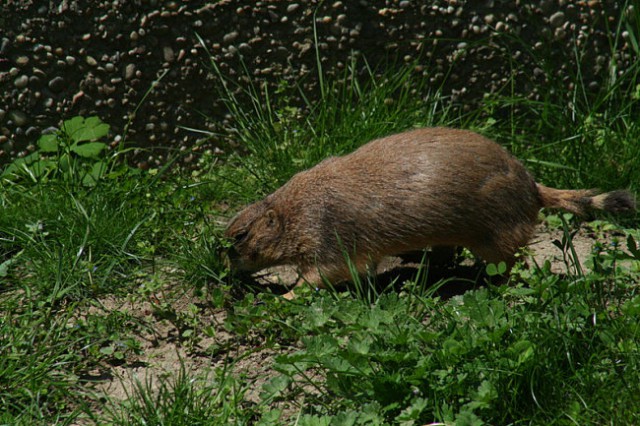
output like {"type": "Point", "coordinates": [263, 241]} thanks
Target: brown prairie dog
{"type": "Point", "coordinates": [421, 188]}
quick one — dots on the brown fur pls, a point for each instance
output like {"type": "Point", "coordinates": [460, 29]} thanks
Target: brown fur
{"type": "Point", "coordinates": [425, 187]}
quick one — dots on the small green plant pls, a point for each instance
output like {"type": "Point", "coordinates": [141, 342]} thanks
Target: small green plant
{"type": "Point", "coordinates": [76, 154]}
{"type": "Point", "coordinates": [496, 269]}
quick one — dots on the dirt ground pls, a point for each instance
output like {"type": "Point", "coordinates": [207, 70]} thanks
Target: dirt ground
{"type": "Point", "coordinates": [163, 351]}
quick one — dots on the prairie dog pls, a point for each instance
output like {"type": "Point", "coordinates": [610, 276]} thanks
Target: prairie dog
{"type": "Point", "coordinates": [421, 188]}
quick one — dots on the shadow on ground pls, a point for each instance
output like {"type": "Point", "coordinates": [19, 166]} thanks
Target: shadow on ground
{"type": "Point", "coordinates": [443, 274]}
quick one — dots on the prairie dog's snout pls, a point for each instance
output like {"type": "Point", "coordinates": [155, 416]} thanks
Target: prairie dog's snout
{"type": "Point", "coordinates": [425, 187]}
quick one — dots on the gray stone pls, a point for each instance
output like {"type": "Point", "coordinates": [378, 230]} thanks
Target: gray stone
{"type": "Point", "coordinates": [21, 82]}
{"type": "Point", "coordinates": [19, 118]}
{"type": "Point", "coordinates": [129, 71]}
{"type": "Point", "coordinates": [230, 37]}
{"type": "Point", "coordinates": [557, 19]}
{"type": "Point", "coordinates": [35, 81]}
{"type": "Point", "coordinates": [292, 7]}
{"type": "Point", "coordinates": [168, 55]}
{"type": "Point", "coordinates": [22, 61]}
{"type": "Point", "coordinates": [91, 61]}
{"type": "Point", "coordinates": [38, 72]}
{"type": "Point", "coordinates": [31, 132]}
{"type": "Point", "coordinates": [57, 84]}
{"type": "Point", "coordinates": [4, 45]}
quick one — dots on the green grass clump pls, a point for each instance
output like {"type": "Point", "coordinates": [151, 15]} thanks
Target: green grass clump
{"type": "Point", "coordinates": [34, 379]}
{"type": "Point", "coordinates": [184, 399]}
{"type": "Point", "coordinates": [71, 245]}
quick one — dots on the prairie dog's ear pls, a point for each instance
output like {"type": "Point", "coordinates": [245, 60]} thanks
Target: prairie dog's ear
{"type": "Point", "coordinates": [272, 218]}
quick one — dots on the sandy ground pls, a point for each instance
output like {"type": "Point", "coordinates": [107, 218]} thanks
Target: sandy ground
{"type": "Point", "coordinates": [163, 351]}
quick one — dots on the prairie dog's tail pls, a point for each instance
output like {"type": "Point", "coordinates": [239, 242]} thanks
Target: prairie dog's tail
{"type": "Point", "coordinates": [582, 200]}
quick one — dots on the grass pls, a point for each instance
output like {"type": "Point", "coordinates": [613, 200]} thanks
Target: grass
{"type": "Point", "coordinates": [105, 269]}
{"type": "Point", "coordinates": [181, 400]}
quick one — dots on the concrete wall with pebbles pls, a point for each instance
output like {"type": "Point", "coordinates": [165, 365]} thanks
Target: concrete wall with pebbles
{"type": "Point", "coordinates": [68, 57]}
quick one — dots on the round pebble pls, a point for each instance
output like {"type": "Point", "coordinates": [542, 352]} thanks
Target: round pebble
{"type": "Point", "coordinates": [21, 82]}
{"type": "Point", "coordinates": [129, 71]}
{"type": "Point", "coordinates": [31, 132]}
{"type": "Point", "coordinates": [22, 61]}
{"type": "Point", "coordinates": [19, 118]}
{"type": "Point", "coordinates": [230, 37]}
{"type": "Point", "coordinates": [168, 54]}
{"type": "Point", "coordinates": [557, 19]}
{"type": "Point", "coordinates": [56, 84]}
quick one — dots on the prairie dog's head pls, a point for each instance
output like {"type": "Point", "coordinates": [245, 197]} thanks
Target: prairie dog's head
{"type": "Point", "coordinates": [255, 234]}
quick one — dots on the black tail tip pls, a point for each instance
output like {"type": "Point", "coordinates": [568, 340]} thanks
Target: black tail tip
{"type": "Point", "coordinates": [619, 201]}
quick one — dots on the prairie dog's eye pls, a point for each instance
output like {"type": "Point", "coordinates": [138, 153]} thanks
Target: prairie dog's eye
{"type": "Point", "coordinates": [241, 236]}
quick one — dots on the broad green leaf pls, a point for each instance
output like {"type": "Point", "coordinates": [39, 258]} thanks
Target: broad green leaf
{"type": "Point", "coordinates": [270, 418]}
{"type": "Point", "coordinates": [48, 143]}
{"type": "Point", "coordinates": [467, 417]}
{"type": "Point", "coordinates": [359, 346]}
{"type": "Point", "coordinates": [632, 307]}
{"type": "Point", "coordinates": [89, 150]}
{"type": "Point", "coordinates": [64, 164]}
{"type": "Point", "coordinates": [97, 172]}
{"type": "Point", "coordinates": [107, 350]}
{"type": "Point", "coordinates": [80, 129]}
{"type": "Point", "coordinates": [452, 347]}
{"type": "Point", "coordinates": [274, 387]}
{"type": "Point", "coordinates": [310, 420]}
{"type": "Point", "coordinates": [499, 269]}
{"type": "Point", "coordinates": [411, 414]}
{"type": "Point", "coordinates": [346, 418]}
{"type": "Point", "coordinates": [11, 169]}
{"type": "Point", "coordinates": [72, 125]}
{"type": "Point", "coordinates": [30, 165]}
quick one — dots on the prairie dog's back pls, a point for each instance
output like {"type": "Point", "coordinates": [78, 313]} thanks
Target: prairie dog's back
{"type": "Point", "coordinates": [428, 181]}
{"type": "Point", "coordinates": [457, 160]}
